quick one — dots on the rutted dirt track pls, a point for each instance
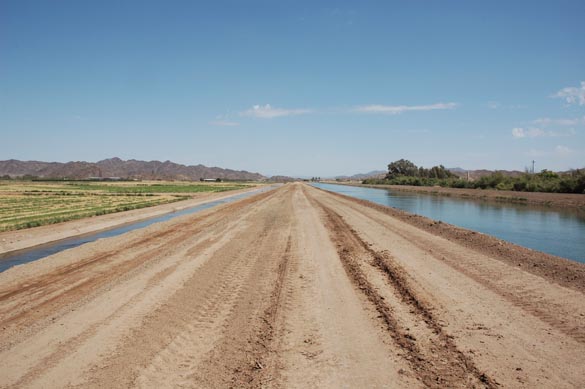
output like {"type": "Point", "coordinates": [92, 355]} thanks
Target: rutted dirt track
{"type": "Point", "coordinates": [294, 287]}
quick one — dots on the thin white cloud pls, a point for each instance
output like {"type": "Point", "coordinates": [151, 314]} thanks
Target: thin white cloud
{"type": "Point", "coordinates": [559, 122]}
{"type": "Point", "coordinates": [559, 152]}
{"type": "Point", "coordinates": [509, 107]}
{"type": "Point", "coordinates": [519, 132]}
{"type": "Point", "coordinates": [533, 132]}
{"type": "Point", "coordinates": [398, 109]}
{"type": "Point", "coordinates": [269, 112]}
{"type": "Point", "coordinates": [224, 123]}
{"type": "Point", "coordinates": [572, 95]}
{"type": "Point", "coordinates": [563, 151]}
{"type": "Point", "coordinates": [569, 132]}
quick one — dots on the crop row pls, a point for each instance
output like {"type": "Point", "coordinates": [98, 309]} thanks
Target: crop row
{"type": "Point", "coordinates": [157, 188]}
{"type": "Point", "coordinates": [20, 213]}
{"type": "Point", "coordinates": [19, 205]}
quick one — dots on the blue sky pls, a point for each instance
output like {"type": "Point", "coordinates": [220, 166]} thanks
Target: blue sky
{"type": "Point", "coordinates": [293, 87]}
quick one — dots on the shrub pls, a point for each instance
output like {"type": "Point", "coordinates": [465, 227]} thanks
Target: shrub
{"type": "Point", "coordinates": [404, 172]}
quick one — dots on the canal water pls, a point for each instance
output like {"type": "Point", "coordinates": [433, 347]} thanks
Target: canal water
{"type": "Point", "coordinates": [556, 232]}
{"type": "Point", "coordinates": [19, 257]}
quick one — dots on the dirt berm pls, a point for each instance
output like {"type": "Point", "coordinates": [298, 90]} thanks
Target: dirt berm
{"type": "Point", "coordinates": [295, 287]}
{"type": "Point", "coordinates": [570, 201]}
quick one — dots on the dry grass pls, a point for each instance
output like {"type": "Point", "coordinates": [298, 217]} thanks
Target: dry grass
{"type": "Point", "coordinates": [30, 204]}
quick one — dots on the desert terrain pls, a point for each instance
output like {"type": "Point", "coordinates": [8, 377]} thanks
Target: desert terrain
{"type": "Point", "coordinates": [294, 288]}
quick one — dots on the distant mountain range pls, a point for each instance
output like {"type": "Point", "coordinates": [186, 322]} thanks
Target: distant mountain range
{"type": "Point", "coordinates": [363, 176]}
{"type": "Point", "coordinates": [475, 174]}
{"type": "Point", "coordinates": [116, 167]}
{"type": "Point", "coordinates": [283, 179]}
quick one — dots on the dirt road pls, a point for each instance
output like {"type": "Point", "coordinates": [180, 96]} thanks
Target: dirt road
{"type": "Point", "coordinates": [294, 287]}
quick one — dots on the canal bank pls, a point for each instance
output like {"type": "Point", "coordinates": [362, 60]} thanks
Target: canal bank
{"type": "Point", "coordinates": [560, 232]}
{"type": "Point", "coordinates": [568, 201]}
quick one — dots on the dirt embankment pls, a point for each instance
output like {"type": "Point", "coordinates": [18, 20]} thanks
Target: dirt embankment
{"type": "Point", "coordinates": [560, 270]}
{"type": "Point", "coordinates": [295, 287]}
{"type": "Point", "coordinates": [22, 239]}
{"type": "Point", "coordinates": [558, 200]}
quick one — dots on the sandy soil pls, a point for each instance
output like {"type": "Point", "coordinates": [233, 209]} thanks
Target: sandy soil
{"type": "Point", "coordinates": [21, 239]}
{"type": "Point", "coordinates": [558, 200]}
{"type": "Point", "coordinates": [294, 287]}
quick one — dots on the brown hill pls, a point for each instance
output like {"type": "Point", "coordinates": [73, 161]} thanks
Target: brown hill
{"type": "Point", "coordinates": [363, 176]}
{"type": "Point", "coordinates": [283, 179]}
{"type": "Point", "coordinates": [116, 167]}
{"type": "Point", "coordinates": [476, 174]}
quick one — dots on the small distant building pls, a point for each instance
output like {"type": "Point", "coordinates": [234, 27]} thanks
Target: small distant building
{"type": "Point", "coordinates": [105, 179]}
{"type": "Point", "coordinates": [210, 179]}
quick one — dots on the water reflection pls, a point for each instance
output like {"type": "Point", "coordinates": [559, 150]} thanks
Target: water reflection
{"type": "Point", "coordinates": [558, 232]}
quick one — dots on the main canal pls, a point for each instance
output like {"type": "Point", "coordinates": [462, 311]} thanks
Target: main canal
{"type": "Point", "coordinates": [552, 231]}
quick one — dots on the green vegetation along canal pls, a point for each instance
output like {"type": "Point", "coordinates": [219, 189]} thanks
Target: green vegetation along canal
{"type": "Point", "coordinates": [552, 231]}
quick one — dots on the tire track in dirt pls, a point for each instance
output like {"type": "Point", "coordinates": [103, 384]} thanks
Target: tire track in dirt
{"type": "Point", "coordinates": [221, 226]}
{"type": "Point", "coordinates": [68, 347]}
{"type": "Point", "coordinates": [512, 345]}
{"type": "Point", "coordinates": [327, 335]}
{"type": "Point", "coordinates": [68, 272]}
{"type": "Point", "coordinates": [564, 272]}
{"type": "Point", "coordinates": [443, 365]}
{"type": "Point", "coordinates": [528, 297]}
{"type": "Point", "coordinates": [296, 288]}
{"type": "Point", "coordinates": [266, 368]}
{"type": "Point", "coordinates": [26, 303]}
{"type": "Point", "coordinates": [243, 356]}
{"type": "Point", "coordinates": [174, 342]}
{"type": "Point", "coordinates": [211, 319]}
{"type": "Point", "coordinates": [200, 333]}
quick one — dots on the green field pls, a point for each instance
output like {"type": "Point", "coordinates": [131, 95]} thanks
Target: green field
{"type": "Point", "coordinates": [157, 188]}
{"type": "Point", "coordinates": [31, 204]}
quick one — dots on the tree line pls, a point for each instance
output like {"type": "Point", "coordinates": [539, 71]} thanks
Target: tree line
{"type": "Point", "coordinates": [404, 172]}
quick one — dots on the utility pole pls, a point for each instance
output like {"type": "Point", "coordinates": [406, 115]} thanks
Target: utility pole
{"type": "Point", "coordinates": [532, 166]}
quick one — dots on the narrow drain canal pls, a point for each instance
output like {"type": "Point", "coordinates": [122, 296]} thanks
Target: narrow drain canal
{"type": "Point", "coordinates": [556, 232]}
{"type": "Point", "coordinates": [19, 257]}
